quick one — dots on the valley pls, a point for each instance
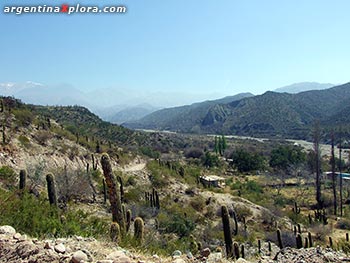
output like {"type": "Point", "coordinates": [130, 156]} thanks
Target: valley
{"type": "Point", "coordinates": [268, 190]}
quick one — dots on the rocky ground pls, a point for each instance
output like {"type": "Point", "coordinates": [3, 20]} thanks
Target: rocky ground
{"type": "Point", "coordinates": [15, 247]}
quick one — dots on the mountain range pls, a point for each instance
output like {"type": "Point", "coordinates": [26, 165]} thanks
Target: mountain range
{"type": "Point", "coordinates": [116, 105]}
{"type": "Point", "coordinates": [268, 115]}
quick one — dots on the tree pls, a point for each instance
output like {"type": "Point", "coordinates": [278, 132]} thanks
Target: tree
{"type": "Point", "coordinates": [317, 151]}
{"type": "Point", "coordinates": [245, 161]}
{"type": "Point", "coordinates": [334, 182]}
{"type": "Point", "coordinates": [285, 156]}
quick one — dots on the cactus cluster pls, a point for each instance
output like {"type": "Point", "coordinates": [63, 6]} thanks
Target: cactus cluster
{"type": "Point", "coordinates": [152, 199]}
{"type": "Point", "coordinates": [114, 197]}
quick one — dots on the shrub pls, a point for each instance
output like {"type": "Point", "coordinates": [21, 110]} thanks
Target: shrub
{"type": "Point", "coordinates": [43, 136]}
{"type": "Point", "coordinates": [37, 218]}
{"type": "Point", "coordinates": [149, 152]}
{"type": "Point", "coordinates": [343, 224]}
{"type": "Point", "coordinates": [194, 153]}
{"type": "Point", "coordinates": [198, 203]}
{"type": "Point", "coordinates": [24, 141]}
{"type": "Point", "coordinates": [7, 175]}
{"type": "Point", "coordinates": [24, 117]}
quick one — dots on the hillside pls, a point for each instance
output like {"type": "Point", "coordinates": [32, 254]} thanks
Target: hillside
{"type": "Point", "coordinates": [185, 118]}
{"type": "Point", "coordinates": [270, 114]}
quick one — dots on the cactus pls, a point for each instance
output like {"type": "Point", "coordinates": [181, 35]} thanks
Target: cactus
{"type": "Point", "coordinates": [138, 229]}
{"type": "Point", "coordinates": [347, 237]}
{"type": "Point", "coordinates": [296, 209]}
{"type": "Point", "coordinates": [279, 238]}
{"type": "Point", "coordinates": [22, 179]}
{"type": "Point", "coordinates": [259, 246]}
{"type": "Point", "coordinates": [242, 251]}
{"type": "Point", "coordinates": [269, 246]}
{"type": "Point", "coordinates": [306, 242]}
{"type": "Point", "coordinates": [94, 164]}
{"type": "Point", "coordinates": [235, 230]}
{"type": "Point", "coordinates": [236, 250]}
{"type": "Point", "coordinates": [310, 219]}
{"type": "Point", "coordinates": [299, 241]}
{"type": "Point", "coordinates": [324, 217]}
{"type": "Point", "coordinates": [104, 191]}
{"type": "Point", "coordinates": [51, 189]}
{"type": "Point", "coordinates": [128, 220]}
{"type": "Point", "coordinates": [299, 229]}
{"type": "Point", "coordinates": [157, 201]}
{"type": "Point", "coordinates": [153, 198]}
{"type": "Point", "coordinates": [227, 231]}
{"type": "Point", "coordinates": [121, 187]}
{"type": "Point", "coordinates": [310, 239]}
{"type": "Point", "coordinates": [330, 242]}
{"type": "Point", "coordinates": [115, 232]}
{"type": "Point", "coordinates": [295, 230]}
{"type": "Point", "coordinates": [114, 199]}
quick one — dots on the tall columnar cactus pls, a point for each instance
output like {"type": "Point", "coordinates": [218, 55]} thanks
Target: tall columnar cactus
{"type": "Point", "coordinates": [121, 186]}
{"type": "Point", "coordinates": [299, 228]}
{"type": "Point", "coordinates": [235, 230]}
{"type": "Point", "coordinates": [310, 239]}
{"type": "Point", "coordinates": [299, 241]}
{"type": "Point", "coordinates": [330, 242]}
{"type": "Point", "coordinates": [279, 238]}
{"type": "Point", "coordinates": [306, 243]}
{"type": "Point", "coordinates": [138, 229]}
{"type": "Point", "coordinates": [104, 190]}
{"type": "Point", "coordinates": [259, 246]}
{"type": "Point", "coordinates": [296, 209]}
{"type": "Point", "coordinates": [114, 198]}
{"type": "Point", "coordinates": [242, 251]}
{"type": "Point", "coordinates": [94, 164]}
{"type": "Point", "coordinates": [128, 220]}
{"type": "Point", "coordinates": [227, 231]}
{"type": "Point", "coordinates": [51, 189]}
{"type": "Point", "coordinates": [157, 201]}
{"type": "Point", "coordinates": [22, 179]}
{"type": "Point", "coordinates": [115, 232]}
{"type": "Point", "coordinates": [236, 250]}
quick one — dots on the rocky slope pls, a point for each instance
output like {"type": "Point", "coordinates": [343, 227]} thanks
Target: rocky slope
{"type": "Point", "coordinates": [15, 247]}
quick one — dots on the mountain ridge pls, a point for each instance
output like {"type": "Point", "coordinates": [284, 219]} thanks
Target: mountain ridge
{"type": "Point", "coordinates": [270, 114]}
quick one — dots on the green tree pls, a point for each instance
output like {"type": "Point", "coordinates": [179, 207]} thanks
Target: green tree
{"type": "Point", "coordinates": [245, 161]}
{"type": "Point", "coordinates": [285, 156]}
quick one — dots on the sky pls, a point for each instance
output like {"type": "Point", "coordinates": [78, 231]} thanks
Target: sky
{"type": "Point", "coordinates": [195, 46]}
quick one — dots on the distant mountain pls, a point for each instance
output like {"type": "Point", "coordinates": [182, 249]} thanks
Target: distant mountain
{"type": "Point", "coordinates": [270, 114]}
{"type": "Point", "coordinates": [130, 114]}
{"type": "Point", "coordinates": [184, 118]}
{"type": "Point", "coordinates": [37, 93]}
{"type": "Point", "coordinates": [116, 104]}
{"type": "Point", "coordinates": [304, 86]}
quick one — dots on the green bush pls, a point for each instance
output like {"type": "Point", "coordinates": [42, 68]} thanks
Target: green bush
{"type": "Point", "coordinates": [24, 141]}
{"type": "Point", "coordinates": [37, 218]}
{"type": "Point", "coordinates": [7, 175]}
{"type": "Point", "coordinates": [24, 117]}
{"type": "Point", "coordinates": [148, 151]}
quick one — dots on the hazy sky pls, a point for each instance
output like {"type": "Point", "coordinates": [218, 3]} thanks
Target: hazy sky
{"type": "Point", "coordinates": [204, 46]}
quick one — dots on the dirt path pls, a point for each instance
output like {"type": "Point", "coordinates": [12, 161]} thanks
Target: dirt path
{"type": "Point", "coordinates": [134, 167]}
